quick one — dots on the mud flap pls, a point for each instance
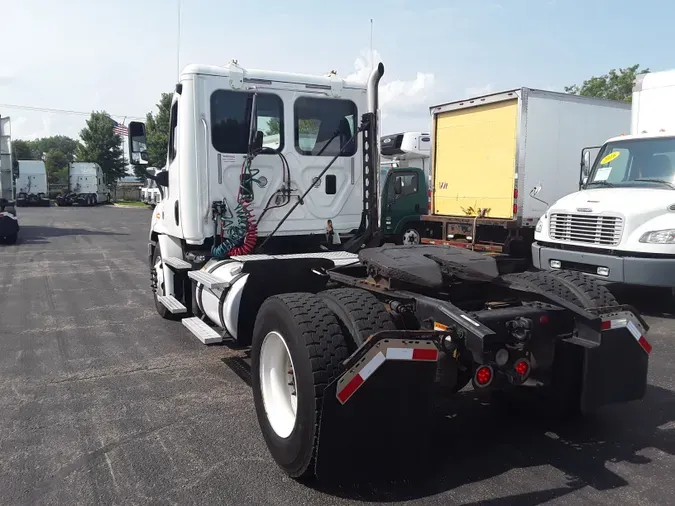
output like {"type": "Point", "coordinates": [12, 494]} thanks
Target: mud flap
{"type": "Point", "coordinates": [377, 418]}
{"type": "Point", "coordinates": [616, 370]}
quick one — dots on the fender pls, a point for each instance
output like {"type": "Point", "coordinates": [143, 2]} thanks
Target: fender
{"type": "Point", "coordinates": [405, 221]}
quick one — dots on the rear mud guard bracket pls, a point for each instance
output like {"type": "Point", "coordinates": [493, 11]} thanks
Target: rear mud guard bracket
{"type": "Point", "coordinates": [376, 417]}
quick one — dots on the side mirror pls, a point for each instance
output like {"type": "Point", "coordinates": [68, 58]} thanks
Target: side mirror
{"type": "Point", "coordinates": [162, 178]}
{"type": "Point", "coordinates": [398, 186]}
{"type": "Point", "coordinates": [586, 163]}
{"type": "Point", "coordinates": [138, 148]}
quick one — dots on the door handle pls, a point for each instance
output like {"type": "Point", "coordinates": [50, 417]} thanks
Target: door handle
{"type": "Point", "coordinates": [417, 208]}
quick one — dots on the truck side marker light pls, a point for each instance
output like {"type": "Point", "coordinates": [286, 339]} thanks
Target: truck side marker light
{"type": "Point", "coordinates": [632, 328]}
{"type": "Point", "coordinates": [410, 354]}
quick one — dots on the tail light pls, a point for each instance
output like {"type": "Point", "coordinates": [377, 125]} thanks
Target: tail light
{"type": "Point", "coordinates": [483, 376]}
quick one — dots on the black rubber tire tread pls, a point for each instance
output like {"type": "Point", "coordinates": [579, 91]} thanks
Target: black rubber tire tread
{"type": "Point", "coordinates": [359, 312]}
{"type": "Point", "coordinates": [545, 284]}
{"type": "Point", "coordinates": [322, 345]}
{"type": "Point", "coordinates": [587, 289]}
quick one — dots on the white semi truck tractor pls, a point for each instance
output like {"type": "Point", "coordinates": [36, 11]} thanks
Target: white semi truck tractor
{"type": "Point", "coordinates": [32, 188]}
{"type": "Point", "coordinates": [263, 237]}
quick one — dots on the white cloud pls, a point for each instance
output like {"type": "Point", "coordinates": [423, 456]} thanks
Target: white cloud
{"type": "Point", "coordinates": [478, 90]}
{"type": "Point", "coordinates": [409, 98]}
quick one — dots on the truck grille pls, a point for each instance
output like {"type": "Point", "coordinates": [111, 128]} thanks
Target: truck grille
{"type": "Point", "coordinates": [586, 228]}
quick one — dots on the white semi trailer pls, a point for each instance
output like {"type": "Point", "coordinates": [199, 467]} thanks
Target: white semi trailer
{"type": "Point", "coordinates": [9, 224]}
{"type": "Point", "coordinates": [349, 342]}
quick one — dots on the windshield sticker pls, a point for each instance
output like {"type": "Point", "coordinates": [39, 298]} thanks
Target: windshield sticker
{"type": "Point", "coordinates": [610, 157]}
{"type": "Point", "coordinates": [602, 174]}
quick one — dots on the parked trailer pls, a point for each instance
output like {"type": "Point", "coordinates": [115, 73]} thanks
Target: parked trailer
{"type": "Point", "coordinates": [86, 186]}
{"type": "Point", "coordinates": [500, 160]}
{"type": "Point", "coordinates": [348, 346]}
{"type": "Point", "coordinates": [9, 224]}
{"type": "Point", "coordinates": [32, 188]}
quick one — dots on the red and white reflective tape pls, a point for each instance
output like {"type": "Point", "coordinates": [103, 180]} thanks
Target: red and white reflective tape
{"type": "Point", "coordinates": [410, 354]}
{"type": "Point", "coordinates": [621, 323]}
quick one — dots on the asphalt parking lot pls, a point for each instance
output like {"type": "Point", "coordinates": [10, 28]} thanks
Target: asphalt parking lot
{"type": "Point", "coordinates": [103, 402]}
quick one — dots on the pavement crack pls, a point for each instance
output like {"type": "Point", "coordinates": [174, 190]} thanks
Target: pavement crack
{"type": "Point", "coordinates": [74, 379]}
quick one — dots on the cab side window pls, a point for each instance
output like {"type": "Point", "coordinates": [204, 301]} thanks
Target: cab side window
{"type": "Point", "coordinates": [173, 131]}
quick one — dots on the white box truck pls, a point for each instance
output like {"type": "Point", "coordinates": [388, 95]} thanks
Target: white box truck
{"type": "Point", "coordinates": [621, 225]}
{"type": "Point", "coordinates": [86, 186]}
{"type": "Point", "coordinates": [499, 160]}
{"type": "Point", "coordinates": [9, 224]}
{"type": "Point", "coordinates": [32, 188]}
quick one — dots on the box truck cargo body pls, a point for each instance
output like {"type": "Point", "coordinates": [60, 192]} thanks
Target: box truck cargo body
{"type": "Point", "coordinates": [32, 188]}
{"type": "Point", "coordinates": [499, 160]}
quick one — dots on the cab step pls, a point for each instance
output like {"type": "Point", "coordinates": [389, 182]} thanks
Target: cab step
{"type": "Point", "coordinates": [202, 331]}
{"type": "Point", "coordinates": [177, 263]}
{"type": "Point", "coordinates": [208, 280]}
{"type": "Point", "coordinates": [172, 304]}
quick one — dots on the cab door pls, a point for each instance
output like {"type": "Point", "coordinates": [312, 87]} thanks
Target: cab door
{"type": "Point", "coordinates": [404, 199]}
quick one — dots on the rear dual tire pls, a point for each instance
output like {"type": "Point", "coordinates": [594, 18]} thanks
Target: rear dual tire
{"type": "Point", "coordinates": [305, 329]}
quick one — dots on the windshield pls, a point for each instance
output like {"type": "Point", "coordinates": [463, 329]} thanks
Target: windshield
{"type": "Point", "coordinates": [635, 163]}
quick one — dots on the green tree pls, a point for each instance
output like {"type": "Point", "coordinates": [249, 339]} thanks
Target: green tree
{"type": "Point", "coordinates": [617, 84]}
{"type": "Point", "coordinates": [24, 150]}
{"type": "Point", "coordinates": [305, 126]}
{"type": "Point", "coordinates": [56, 163]}
{"type": "Point", "coordinates": [157, 132]}
{"type": "Point", "coordinates": [100, 144]}
{"type": "Point", "coordinates": [65, 145]}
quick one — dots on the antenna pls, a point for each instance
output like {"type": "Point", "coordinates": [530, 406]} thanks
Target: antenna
{"type": "Point", "coordinates": [372, 52]}
{"type": "Point", "coordinates": [178, 43]}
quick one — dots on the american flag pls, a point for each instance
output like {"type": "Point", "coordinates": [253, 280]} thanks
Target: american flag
{"type": "Point", "coordinates": [119, 129]}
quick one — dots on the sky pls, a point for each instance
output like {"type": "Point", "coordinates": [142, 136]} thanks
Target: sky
{"type": "Point", "coordinates": [118, 56]}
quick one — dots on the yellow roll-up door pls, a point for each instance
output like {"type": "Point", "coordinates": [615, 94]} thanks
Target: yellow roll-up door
{"type": "Point", "coordinates": [475, 160]}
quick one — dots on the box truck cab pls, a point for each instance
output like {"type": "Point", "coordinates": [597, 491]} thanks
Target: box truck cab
{"type": "Point", "coordinates": [31, 185]}
{"type": "Point", "coordinates": [621, 225]}
{"type": "Point", "coordinates": [404, 185]}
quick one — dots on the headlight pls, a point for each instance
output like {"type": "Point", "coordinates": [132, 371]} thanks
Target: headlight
{"type": "Point", "coordinates": [659, 236]}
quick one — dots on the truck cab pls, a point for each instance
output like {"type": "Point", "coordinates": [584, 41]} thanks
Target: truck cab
{"type": "Point", "coordinates": [621, 225]}
{"type": "Point", "coordinates": [404, 178]}
{"type": "Point", "coordinates": [32, 188]}
{"type": "Point", "coordinates": [244, 146]}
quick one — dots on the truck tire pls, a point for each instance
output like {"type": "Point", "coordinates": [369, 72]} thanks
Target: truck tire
{"type": "Point", "coordinates": [563, 397]}
{"type": "Point", "coordinates": [158, 288]}
{"type": "Point", "coordinates": [409, 236]}
{"type": "Point", "coordinates": [10, 239]}
{"type": "Point", "coordinates": [298, 336]}
{"type": "Point", "coordinates": [359, 313]}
